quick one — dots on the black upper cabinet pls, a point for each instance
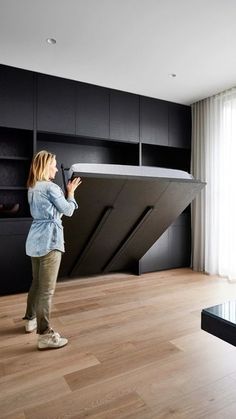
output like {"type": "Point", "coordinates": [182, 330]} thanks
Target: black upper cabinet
{"type": "Point", "coordinates": [154, 121]}
{"type": "Point", "coordinates": [55, 105]}
{"type": "Point", "coordinates": [92, 111]}
{"type": "Point", "coordinates": [16, 97]}
{"type": "Point", "coordinates": [124, 116]}
{"type": "Point", "coordinates": [179, 125]}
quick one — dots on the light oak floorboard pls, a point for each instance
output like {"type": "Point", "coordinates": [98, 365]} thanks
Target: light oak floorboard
{"type": "Point", "coordinates": [136, 350]}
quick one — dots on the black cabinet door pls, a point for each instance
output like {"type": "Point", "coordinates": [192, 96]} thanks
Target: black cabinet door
{"type": "Point", "coordinates": [55, 105]}
{"type": "Point", "coordinates": [124, 116]}
{"type": "Point", "coordinates": [172, 249]}
{"type": "Point", "coordinates": [156, 257]}
{"type": "Point", "coordinates": [153, 121]}
{"type": "Point", "coordinates": [179, 125]}
{"type": "Point", "coordinates": [15, 265]}
{"type": "Point", "coordinates": [16, 97]}
{"type": "Point", "coordinates": [92, 111]}
{"type": "Point", "coordinates": [180, 242]}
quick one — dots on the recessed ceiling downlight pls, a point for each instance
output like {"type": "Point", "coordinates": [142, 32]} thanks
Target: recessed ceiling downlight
{"type": "Point", "coordinates": [51, 41]}
{"type": "Point", "coordinates": [172, 75]}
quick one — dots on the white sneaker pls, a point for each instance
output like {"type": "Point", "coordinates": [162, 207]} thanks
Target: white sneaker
{"type": "Point", "coordinates": [30, 325]}
{"type": "Point", "coordinates": [51, 340]}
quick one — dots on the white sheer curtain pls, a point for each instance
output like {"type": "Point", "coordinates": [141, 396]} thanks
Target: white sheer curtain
{"type": "Point", "coordinates": [214, 161]}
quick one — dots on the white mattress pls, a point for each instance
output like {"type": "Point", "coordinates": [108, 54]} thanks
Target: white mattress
{"type": "Point", "coordinates": [127, 171]}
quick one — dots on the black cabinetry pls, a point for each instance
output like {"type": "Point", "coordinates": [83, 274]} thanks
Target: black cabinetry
{"type": "Point", "coordinates": [180, 241]}
{"type": "Point", "coordinates": [124, 116]}
{"type": "Point", "coordinates": [82, 123]}
{"type": "Point", "coordinates": [16, 149]}
{"type": "Point", "coordinates": [87, 150]}
{"type": "Point", "coordinates": [179, 126]}
{"type": "Point", "coordinates": [172, 250]}
{"type": "Point", "coordinates": [157, 257]}
{"type": "Point", "coordinates": [16, 97]}
{"type": "Point", "coordinates": [15, 265]}
{"type": "Point", "coordinates": [153, 121]}
{"type": "Point", "coordinates": [92, 111]}
{"type": "Point", "coordinates": [169, 157]}
{"type": "Point", "coordinates": [55, 104]}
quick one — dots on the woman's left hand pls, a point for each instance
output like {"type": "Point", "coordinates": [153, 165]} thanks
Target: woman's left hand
{"type": "Point", "coordinates": [72, 185]}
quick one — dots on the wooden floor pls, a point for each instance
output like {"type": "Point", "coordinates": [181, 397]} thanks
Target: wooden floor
{"type": "Point", "coordinates": [135, 350]}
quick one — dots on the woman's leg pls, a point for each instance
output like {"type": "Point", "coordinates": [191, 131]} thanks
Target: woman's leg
{"type": "Point", "coordinates": [33, 292]}
{"type": "Point", "coordinates": [48, 272]}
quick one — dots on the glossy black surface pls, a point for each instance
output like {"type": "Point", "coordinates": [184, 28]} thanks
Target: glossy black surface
{"type": "Point", "coordinates": [220, 321]}
{"type": "Point", "coordinates": [225, 311]}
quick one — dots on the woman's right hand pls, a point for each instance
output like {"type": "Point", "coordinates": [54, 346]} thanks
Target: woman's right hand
{"type": "Point", "coordinates": [72, 185]}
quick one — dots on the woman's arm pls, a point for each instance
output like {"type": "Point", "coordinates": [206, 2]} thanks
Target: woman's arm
{"type": "Point", "coordinates": [72, 185]}
{"type": "Point", "coordinates": [63, 205]}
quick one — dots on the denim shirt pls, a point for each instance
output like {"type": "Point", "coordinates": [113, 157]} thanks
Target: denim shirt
{"type": "Point", "coordinates": [47, 205]}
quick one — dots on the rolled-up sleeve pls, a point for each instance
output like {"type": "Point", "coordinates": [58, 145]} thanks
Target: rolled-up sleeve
{"type": "Point", "coordinates": [63, 205]}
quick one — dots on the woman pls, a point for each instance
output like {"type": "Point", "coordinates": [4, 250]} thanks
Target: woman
{"type": "Point", "coordinates": [45, 244]}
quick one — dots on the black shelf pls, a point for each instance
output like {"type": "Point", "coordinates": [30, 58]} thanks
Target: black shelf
{"type": "Point", "coordinates": [16, 150]}
{"type": "Point", "coordinates": [75, 149]}
{"type": "Point", "coordinates": [13, 188]}
{"type": "Point", "coordinates": [165, 156]}
{"type": "Point", "coordinates": [13, 173]}
{"type": "Point", "coordinates": [14, 158]}
{"type": "Point", "coordinates": [80, 139]}
{"type": "Point", "coordinates": [16, 142]}
{"type": "Point", "coordinates": [11, 196]}
{"type": "Point", "coordinates": [3, 220]}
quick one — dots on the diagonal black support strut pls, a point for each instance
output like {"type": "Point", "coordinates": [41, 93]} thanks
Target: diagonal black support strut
{"type": "Point", "coordinates": [97, 228]}
{"type": "Point", "coordinates": [129, 237]}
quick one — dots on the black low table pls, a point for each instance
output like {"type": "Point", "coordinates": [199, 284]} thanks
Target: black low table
{"type": "Point", "coordinates": [220, 321]}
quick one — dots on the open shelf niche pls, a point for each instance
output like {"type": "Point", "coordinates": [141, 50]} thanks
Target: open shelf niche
{"type": "Point", "coordinates": [71, 149]}
{"type": "Point", "coordinates": [16, 150]}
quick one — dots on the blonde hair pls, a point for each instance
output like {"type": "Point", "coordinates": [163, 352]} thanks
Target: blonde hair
{"type": "Point", "coordinates": [39, 167]}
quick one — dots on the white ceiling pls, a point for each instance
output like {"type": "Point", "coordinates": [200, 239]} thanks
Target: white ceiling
{"type": "Point", "coordinates": [130, 45]}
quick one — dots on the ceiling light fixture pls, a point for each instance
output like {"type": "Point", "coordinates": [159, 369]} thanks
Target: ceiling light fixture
{"type": "Point", "coordinates": [51, 41]}
{"type": "Point", "coordinates": [172, 75]}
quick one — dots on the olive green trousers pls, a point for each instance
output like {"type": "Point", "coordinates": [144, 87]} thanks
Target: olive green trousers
{"type": "Point", "coordinates": [39, 301]}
